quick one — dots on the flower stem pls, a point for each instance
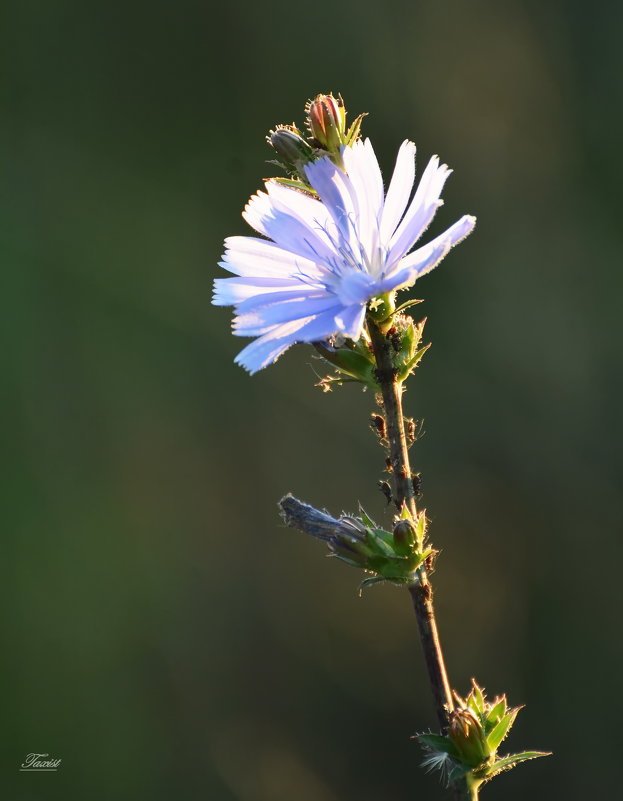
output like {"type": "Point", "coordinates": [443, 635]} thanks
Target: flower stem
{"type": "Point", "coordinates": [421, 590]}
{"type": "Point", "coordinates": [463, 791]}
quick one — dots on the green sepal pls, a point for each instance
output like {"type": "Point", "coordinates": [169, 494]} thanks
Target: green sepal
{"type": "Point", "coordinates": [355, 363]}
{"type": "Point", "coordinates": [347, 560]}
{"type": "Point", "coordinates": [353, 132]}
{"type": "Point", "coordinates": [401, 569]}
{"type": "Point", "coordinates": [406, 371]}
{"type": "Point", "coordinates": [478, 698]}
{"type": "Point", "coordinates": [386, 536]}
{"type": "Point", "coordinates": [367, 521]}
{"type": "Point", "coordinates": [294, 183]}
{"type": "Point", "coordinates": [473, 705]}
{"type": "Point", "coordinates": [496, 713]}
{"type": "Point", "coordinates": [420, 529]}
{"type": "Point", "coordinates": [369, 582]}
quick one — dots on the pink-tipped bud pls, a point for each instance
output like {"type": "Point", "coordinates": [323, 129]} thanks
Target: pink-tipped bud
{"type": "Point", "coordinates": [327, 122]}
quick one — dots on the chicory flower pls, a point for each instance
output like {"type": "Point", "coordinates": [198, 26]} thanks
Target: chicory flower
{"type": "Point", "coordinates": [325, 256]}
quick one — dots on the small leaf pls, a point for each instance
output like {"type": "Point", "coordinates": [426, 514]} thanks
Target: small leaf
{"type": "Point", "coordinates": [508, 762]}
{"type": "Point", "coordinates": [498, 710]}
{"type": "Point", "coordinates": [437, 742]}
{"type": "Point", "coordinates": [500, 731]}
{"type": "Point", "coordinates": [407, 305]}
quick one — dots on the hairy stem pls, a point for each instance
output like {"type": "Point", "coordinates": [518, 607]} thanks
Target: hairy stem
{"type": "Point", "coordinates": [421, 590]}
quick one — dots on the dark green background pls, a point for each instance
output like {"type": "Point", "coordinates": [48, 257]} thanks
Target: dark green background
{"type": "Point", "coordinates": [162, 634]}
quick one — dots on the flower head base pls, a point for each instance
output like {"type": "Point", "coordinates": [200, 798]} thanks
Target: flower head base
{"type": "Point", "coordinates": [324, 257]}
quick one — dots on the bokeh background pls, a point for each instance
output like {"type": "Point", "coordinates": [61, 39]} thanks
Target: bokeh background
{"type": "Point", "coordinates": [162, 633]}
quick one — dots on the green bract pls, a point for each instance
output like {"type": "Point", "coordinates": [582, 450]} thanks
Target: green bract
{"type": "Point", "coordinates": [469, 750]}
{"type": "Point", "coordinates": [388, 557]}
{"type": "Point", "coordinates": [355, 361]}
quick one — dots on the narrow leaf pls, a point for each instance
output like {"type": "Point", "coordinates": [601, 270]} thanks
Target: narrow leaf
{"type": "Point", "coordinates": [407, 305]}
{"type": "Point", "coordinates": [367, 521]}
{"type": "Point", "coordinates": [411, 365]}
{"type": "Point", "coordinates": [501, 730]}
{"type": "Point", "coordinates": [508, 762]}
{"type": "Point", "coordinates": [369, 582]}
{"type": "Point", "coordinates": [472, 703]}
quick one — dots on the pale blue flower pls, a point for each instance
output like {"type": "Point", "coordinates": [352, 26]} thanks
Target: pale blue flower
{"type": "Point", "coordinates": [330, 255]}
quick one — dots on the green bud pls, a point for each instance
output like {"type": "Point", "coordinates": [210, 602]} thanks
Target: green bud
{"type": "Point", "coordinates": [468, 736]}
{"type": "Point", "coordinates": [477, 728]}
{"type": "Point", "coordinates": [351, 542]}
{"type": "Point", "coordinates": [405, 537]}
{"type": "Point", "coordinates": [292, 150]}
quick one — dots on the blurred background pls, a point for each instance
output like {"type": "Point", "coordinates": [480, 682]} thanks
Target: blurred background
{"type": "Point", "coordinates": [162, 633]}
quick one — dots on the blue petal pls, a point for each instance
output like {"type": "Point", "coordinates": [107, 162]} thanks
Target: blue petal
{"type": "Point", "coordinates": [367, 186]}
{"type": "Point", "coordinates": [301, 293]}
{"type": "Point", "coordinates": [399, 190]}
{"type": "Point", "coordinates": [261, 320]}
{"type": "Point", "coordinates": [267, 349]}
{"type": "Point", "coordinates": [350, 321]}
{"type": "Point", "coordinates": [250, 256]}
{"type": "Point", "coordinates": [424, 259]}
{"type": "Point", "coordinates": [274, 219]}
{"type": "Point", "coordinates": [421, 211]}
{"type": "Point", "coordinates": [337, 194]}
{"type": "Point", "coordinates": [230, 291]}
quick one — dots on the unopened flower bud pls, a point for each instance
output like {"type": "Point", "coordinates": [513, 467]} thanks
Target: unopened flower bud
{"type": "Point", "coordinates": [405, 536]}
{"type": "Point", "coordinates": [350, 542]}
{"type": "Point", "coordinates": [290, 146]}
{"type": "Point", "coordinates": [327, 122]}
{"type": "Point", "coordinates": [468, 735]}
